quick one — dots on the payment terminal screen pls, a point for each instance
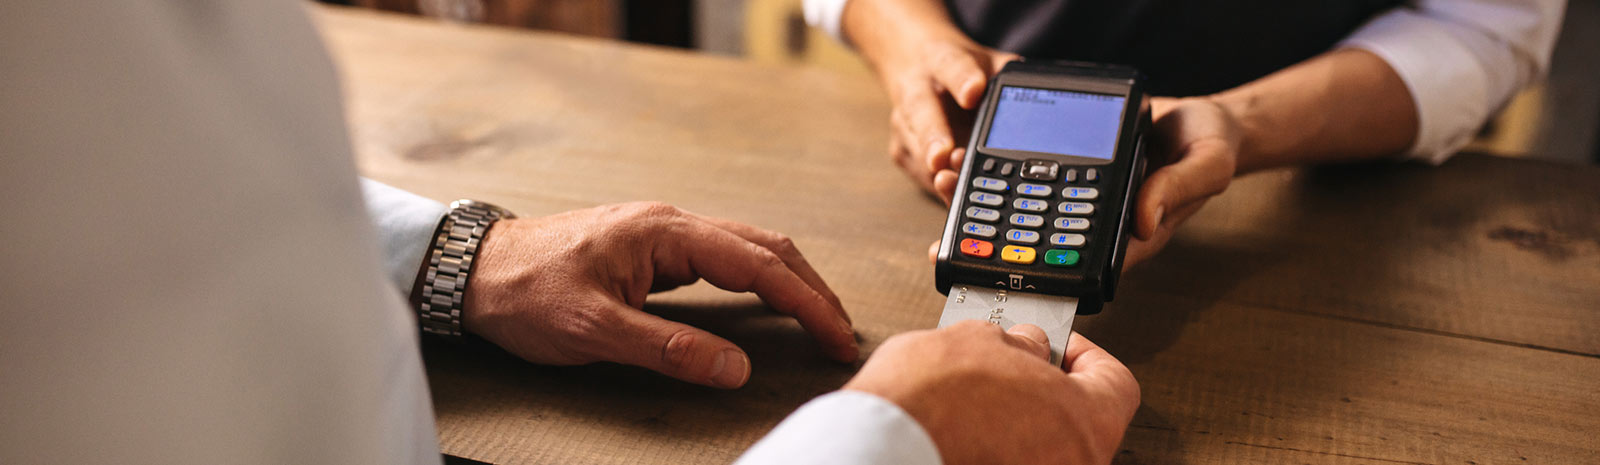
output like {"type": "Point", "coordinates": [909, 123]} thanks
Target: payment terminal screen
{"type": "Point", "coordinates": [1056, 121]}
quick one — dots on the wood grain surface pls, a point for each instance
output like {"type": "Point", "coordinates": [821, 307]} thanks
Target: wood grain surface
{"type": "Point", "coordinates": [1380, 313]}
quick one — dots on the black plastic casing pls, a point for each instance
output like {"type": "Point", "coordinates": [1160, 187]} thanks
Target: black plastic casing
{"type": "Point", "coordinates": [1094, 280]}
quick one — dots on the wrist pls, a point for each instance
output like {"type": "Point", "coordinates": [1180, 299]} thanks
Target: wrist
{"type": "Point", "coordinates": [489, 273]}
{"type": "Point", "coordinates": [1239, 110]}
{"type": "Point", "coordinates": [928, 408]}
{"type": "Point", "coordinates": [451, 265]}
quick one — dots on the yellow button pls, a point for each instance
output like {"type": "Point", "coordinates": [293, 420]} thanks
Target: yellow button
{"type": "Point", "coordinates": [1017, 254]}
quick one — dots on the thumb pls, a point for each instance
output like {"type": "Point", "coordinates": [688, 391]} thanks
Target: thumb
{"type": "Point", "coordinates": [998, 60]}
{"type": "Point", "coordinates": [1030, 338]}
{"type": "Point", "coordinates": [1204, 171]}
{"type": "Point", "coordinates": [675, 349]}
{"type": "Point", "coordinates": [944, 184]}
{"type": "Point", "coordinates": [1089, 363]}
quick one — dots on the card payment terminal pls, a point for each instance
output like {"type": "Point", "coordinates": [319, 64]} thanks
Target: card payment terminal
{"type": "Point", "coordinates": [1044, 204]}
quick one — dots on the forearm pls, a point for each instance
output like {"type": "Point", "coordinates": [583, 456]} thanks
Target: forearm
{"type": "Point", "coordinates": [1344, 105]}
{"type": "Point", "coordinates": [879, 28]}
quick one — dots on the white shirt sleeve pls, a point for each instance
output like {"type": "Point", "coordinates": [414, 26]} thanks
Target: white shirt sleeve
{"type": "Point", "coordinates": [190, 275]}
{"type": "Point", "coordinates": [1462, 60]}
{"type": "Point", "coordinates": [844, 428]}
{"type": "Point", "coordinates": [406, 223]}
{"type": "Point", "coordinates": [826, 15]}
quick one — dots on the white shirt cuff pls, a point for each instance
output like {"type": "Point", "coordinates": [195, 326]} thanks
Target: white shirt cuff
{"type": "Point", "coordinates": [845, 427]}
{"type": "Point", "coordinates": [827, 15]}
{"type": "Point", "coordinates": [1448, 82]}
{"type": "Point", "coordinates": [406, 223]}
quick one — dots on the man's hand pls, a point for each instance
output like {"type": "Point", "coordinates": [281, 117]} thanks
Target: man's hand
{"type": "Point", "coordinates": [934, 75]}
{"type": "Point", "coordinates": [987, 396]}
{"type": "Point", "coordinates": [568, 289]}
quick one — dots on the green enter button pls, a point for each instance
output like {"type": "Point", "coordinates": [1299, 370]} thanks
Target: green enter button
{"type": "Point", "coordinates": [1061, 257]}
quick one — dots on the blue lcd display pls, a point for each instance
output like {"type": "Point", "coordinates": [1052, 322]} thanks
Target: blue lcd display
{"type": "Point", "coordinates": [1056, 121]}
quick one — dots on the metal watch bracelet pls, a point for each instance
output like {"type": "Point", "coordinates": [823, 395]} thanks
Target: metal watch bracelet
{"type": "Point", "coordinates": [455, 245]}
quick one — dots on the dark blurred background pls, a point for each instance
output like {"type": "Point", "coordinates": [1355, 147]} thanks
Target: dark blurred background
{"type": "Point", "coordinates": [1558, 119]}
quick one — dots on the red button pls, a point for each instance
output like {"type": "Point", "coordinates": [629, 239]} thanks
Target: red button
{"type": "Point", "coordinates": [977, 248]}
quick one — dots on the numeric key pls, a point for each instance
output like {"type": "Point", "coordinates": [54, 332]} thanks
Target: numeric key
{"type": "Point", "coordinates": [1022, 236]}
{"type": "Point", "coordinates": [1081, 193]}
{"type": "Point", "coordinates": [978, 229]}
{"type": "Point", "coordinates": [1068, 240]}
{"type": "Point", "coordinates": [1071, 224]}
{"type": "Point", "coordinates": [986, 199]}
{"type": "Point", "coordinates": [983, 214]}
{"type": "Point", "coordinates": [1076, 208]}
{"type": "Point", "coordinates": [1027, 221]}
{"type": "Point", "coordinates": [989, 184]}
{"type": "Point", "coordinates": [1030, 205]}
{"type": "Point", "coordinates": [1033, 190]}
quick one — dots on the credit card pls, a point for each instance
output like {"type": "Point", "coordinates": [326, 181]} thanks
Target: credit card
{"type": "Point", "coordinates": [1006, 308]}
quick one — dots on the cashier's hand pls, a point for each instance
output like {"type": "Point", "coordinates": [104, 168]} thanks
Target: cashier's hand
{"type": "Point", "coordinates": [568, 289]}
{"type": "Point", "coordinates": [934, 75]}
{"type": "Point", "coordinates": [987, 396]}
{"type": "Point", "coordinates": [1194, 157]}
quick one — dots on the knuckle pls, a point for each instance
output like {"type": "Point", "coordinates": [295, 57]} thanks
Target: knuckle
{"type": "Point", "coordinates": [677, 351]}
{"type": "Point", "coordinates": [946, 57]}
{"type": "Point", "coordinates": [899, 129]}
{"type": "Point", "coordinates": [657, 209]}
{"type": "Point", "coordinates": [904, 341]}
{"type": "Point", "coordinates": [967, 325]}
{"type": "Point", "coordinates": [1128, 385]}
{"type": "Point", "coordinates": [973, 326]}
{"type": "Point", "coordinates": [1228, 165]}
{"type": "Point", "coordinates": [911, 95]}
{"type": "Point", "coordinates": [1218, 184]}
{"type": "Point", "coordinates": [893, 347]}
{"type": "Point", "coordinates": [644, 220]}
{"type": "Point", "coordinates": [897, 148]}
{"type": "Point", "coordinates": [783, 244]}
{"type": "Point", "coordinates": [1167, 183]}
{"type": "Point", "coordinates": [767, 259]}
{"type": "Point", "coordinates": [614, 210]}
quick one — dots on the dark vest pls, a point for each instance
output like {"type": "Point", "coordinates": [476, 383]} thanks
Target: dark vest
{"type": "Point", "coordinates": [1185, 47]}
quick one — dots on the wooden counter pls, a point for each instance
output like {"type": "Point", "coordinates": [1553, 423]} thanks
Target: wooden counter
{"type": "Point", "coordinates": [1380, 313]}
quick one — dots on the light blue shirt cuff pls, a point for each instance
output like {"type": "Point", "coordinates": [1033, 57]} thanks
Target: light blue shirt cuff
{"type": "Point", "coordinates": [845, 427]}
{"type": "Point", "coordinates": [406, 223]}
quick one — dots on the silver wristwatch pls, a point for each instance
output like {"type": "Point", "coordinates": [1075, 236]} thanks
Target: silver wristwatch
{"type": "Point", "coordinates": [455, 245]}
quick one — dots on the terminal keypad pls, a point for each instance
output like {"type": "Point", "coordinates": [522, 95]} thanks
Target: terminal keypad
{"type": "Point", "coordinates": [1029, 204]}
